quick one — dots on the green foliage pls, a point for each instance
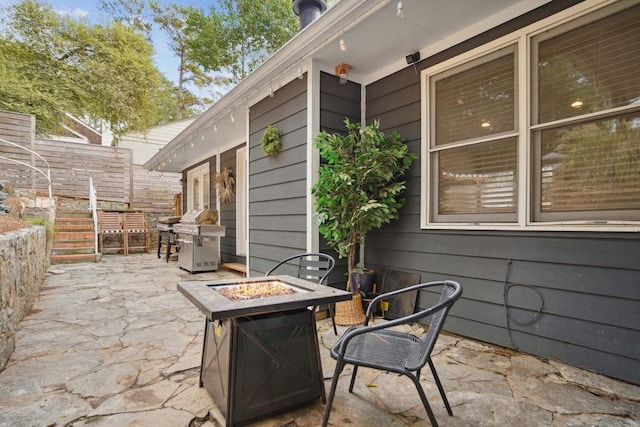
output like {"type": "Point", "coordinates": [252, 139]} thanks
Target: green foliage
{"type": "Point", "coordinates": [48, 226]}
{"type": "Point", "coordinates": [271, 143]}
{"type": "Point", "coordinates": [135, 14]}
{"type": "Point", "coordinates": [172, 20]}
{"type": "Point", "coordinates": [52, 64]}
{"type": "Point", "coordinates": [359, 184]}
{"type": "Point", "coordinates": [599, 154]}
{"type": "Point", "coordinates": [240, 34]}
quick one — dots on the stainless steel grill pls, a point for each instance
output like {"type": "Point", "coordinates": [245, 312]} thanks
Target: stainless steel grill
{"type": "Point", "coordinates": [198, 240]}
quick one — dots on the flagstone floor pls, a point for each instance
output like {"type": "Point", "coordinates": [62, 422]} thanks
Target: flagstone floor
{"type": "Point", "coordinates": [114, 344]}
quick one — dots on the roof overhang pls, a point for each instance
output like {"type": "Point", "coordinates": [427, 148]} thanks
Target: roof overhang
{"type": "Point", "coordinates": [377, 42]}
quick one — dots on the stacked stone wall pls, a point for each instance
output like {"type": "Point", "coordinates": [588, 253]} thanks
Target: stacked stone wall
{"type": "Point", "coordinates": [24, 260]}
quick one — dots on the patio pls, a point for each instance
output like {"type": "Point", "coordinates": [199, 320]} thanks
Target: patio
{"type": "Point", "coordinates": [115, 344]}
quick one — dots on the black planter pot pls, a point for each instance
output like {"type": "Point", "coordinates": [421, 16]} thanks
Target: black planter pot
{"type": "Point", "coordinates": [363, 281]}
{"type": "Point", "coordinates": [366, 300]}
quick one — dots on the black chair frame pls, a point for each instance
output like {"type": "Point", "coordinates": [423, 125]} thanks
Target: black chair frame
{"type": "Point", "coordinates": [378, 347]}
{"type": "Point", "coordinates": [312, 266]}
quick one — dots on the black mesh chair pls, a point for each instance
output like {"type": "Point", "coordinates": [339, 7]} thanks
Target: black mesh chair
{"type": "Point", "coordinates": [379, 347]}
{"type": "Point", "coordinates": [311, 266]}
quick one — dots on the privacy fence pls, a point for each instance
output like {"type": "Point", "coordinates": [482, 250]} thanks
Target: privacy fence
{"type": "Point", "coordinates": [116, 178]}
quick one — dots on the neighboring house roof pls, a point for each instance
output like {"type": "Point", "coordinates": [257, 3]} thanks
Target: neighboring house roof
{"type": "Point", "coordinates": [377, 44]}
{"type": "Point", "coordinates": [79, 131]}
{"type": "Point", "coordinates": [145, 145]}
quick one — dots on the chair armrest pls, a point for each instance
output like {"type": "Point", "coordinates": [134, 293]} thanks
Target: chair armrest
{"type": "Point", "coordinates": [359, 330]}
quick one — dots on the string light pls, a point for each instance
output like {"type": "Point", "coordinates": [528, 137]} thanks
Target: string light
{"type": "Point", "coordinates": [233, 119]}
{"type": "Point", "coordinates": [343, 45]}
{"type": "Point", "coordinates": [271, 94]}
{"type": "Point", "coordinates": [215, 127]}
{"type": "Point", "coordinates": [400, 12]}
{"type": "Point", "coordinates": [300, 75]}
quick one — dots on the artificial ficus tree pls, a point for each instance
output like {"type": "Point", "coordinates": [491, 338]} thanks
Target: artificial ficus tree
{"type": "Point", "coordinates": [360, 185]}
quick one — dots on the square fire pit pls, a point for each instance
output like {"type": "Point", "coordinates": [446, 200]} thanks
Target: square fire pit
{"type": "Point", "coordinates": [260, 354]}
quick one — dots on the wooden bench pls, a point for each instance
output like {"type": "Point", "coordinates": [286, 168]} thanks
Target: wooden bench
{"type": "Point", "coordinates": [236, 266]}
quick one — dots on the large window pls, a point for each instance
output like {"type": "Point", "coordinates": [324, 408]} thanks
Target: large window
{"type": "Point", "coordinates": [557, 145]}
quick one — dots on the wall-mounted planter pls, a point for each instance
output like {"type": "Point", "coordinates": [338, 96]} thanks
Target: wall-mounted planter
{"type": "Point", "coordinates": [271, 143]}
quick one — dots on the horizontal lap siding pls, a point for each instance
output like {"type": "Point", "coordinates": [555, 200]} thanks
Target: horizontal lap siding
{"type": "Point", "coordinates": [228, 213]}
{"type": "Point", "coordinates": [337, 102]}
{"type": "Point", "coordinates": [588, 283]}
{"type": "Point", "coordinates": [278, 184]}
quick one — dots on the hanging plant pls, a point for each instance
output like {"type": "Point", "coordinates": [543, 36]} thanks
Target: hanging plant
{"type": "Point", "coordinates": [271, 143]}
{"type": "Point", "coordinates": [224, 182]}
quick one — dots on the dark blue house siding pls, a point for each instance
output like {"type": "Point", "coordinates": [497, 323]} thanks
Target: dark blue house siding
{"type": "Point", "coordinates": [586, 285]}
{"type": "Point", "coordinates": [228, 213]}
{"type": "Point", "coordinates": [278, 184]}
{"type": "Point", "coordinates": [337, 102]}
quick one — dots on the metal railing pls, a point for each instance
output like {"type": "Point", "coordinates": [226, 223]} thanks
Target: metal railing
{"type": "Point", "coordinates": [46, 175]}
{"type": "Point", "coordinates": [93, 207]}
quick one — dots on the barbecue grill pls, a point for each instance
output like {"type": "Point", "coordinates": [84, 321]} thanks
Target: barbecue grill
{"type": "Point", "coordinates": [198, 240]}
{"type": "Point", "coordinates": [260, 354]}
{"type": "Point", "coordinates": [165, 227]}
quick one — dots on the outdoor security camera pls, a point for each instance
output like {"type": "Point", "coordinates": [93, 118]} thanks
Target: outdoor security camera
{"type": "Point", "coordinates": [413, 58]}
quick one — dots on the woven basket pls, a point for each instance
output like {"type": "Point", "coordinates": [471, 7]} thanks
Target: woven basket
{"type": "Point", "coordinates": [349, 312]}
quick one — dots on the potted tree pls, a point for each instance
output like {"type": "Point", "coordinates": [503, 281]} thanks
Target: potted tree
{"type": "Point", "coordinates": [359, 188]}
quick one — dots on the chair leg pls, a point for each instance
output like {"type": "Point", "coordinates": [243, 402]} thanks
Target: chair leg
{"type": "Point", "coordinates": [332, 393]}
{"type": "Point", "coordinates": [440, 388]}
{"type": "Point", "coordinates": [159, 242]}
{"type": "Point", "coordinates": [353, 378]}
{"type": "Point", "coordinates": [333, 320]}
{"type": "Point", "coordinates": [423, 398]}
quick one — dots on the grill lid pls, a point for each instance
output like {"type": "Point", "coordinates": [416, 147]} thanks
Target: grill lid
{"type": "Point", "coordinates": [200, 216]}
{"type": "Point", "coordinates": [168, 219]}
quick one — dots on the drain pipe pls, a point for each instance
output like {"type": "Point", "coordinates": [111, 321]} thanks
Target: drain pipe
{"type": "Point", "coordinates": [308, 10]}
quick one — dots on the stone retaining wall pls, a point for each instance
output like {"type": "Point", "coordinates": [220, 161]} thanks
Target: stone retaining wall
{"type": "Point", "coordinates": [24, 260]}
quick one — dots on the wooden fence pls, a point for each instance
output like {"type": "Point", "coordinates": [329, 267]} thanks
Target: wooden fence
{"type": "Point", "coordinates": [116, 178]}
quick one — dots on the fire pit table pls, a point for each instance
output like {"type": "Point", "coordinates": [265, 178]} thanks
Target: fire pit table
{"type": "Point", "coordinates": [260, 354]}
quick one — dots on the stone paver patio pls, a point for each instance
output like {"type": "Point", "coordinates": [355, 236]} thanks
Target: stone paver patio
{"type": "Point", "coordinates": [115, 344]}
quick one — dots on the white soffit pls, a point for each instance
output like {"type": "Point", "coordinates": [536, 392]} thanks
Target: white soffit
{"type": "Point", "coordinates": [378, 46]}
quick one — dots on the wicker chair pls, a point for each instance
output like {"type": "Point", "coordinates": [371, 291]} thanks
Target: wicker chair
{"type": "Point", "coordinates": [311, 266]}
{"type": "Point", "coordinates": [379, 347]}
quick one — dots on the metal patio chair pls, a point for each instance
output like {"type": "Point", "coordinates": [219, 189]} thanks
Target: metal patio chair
{"type": "Point", "coordinates": [379, 347]}
{"type": "Point", "coordinates": [311, 266]}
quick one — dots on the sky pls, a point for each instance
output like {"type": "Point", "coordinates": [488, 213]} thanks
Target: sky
{"type": "Point", "coordinates": [164, 59]}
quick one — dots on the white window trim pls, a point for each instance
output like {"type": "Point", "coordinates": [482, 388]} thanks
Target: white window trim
{"type": "Point", "coordinates": [242, 165]}
{"type": "Point", "coordinates": [200, 171]}
{"type": "Point", "coordinates": [522, 38]}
